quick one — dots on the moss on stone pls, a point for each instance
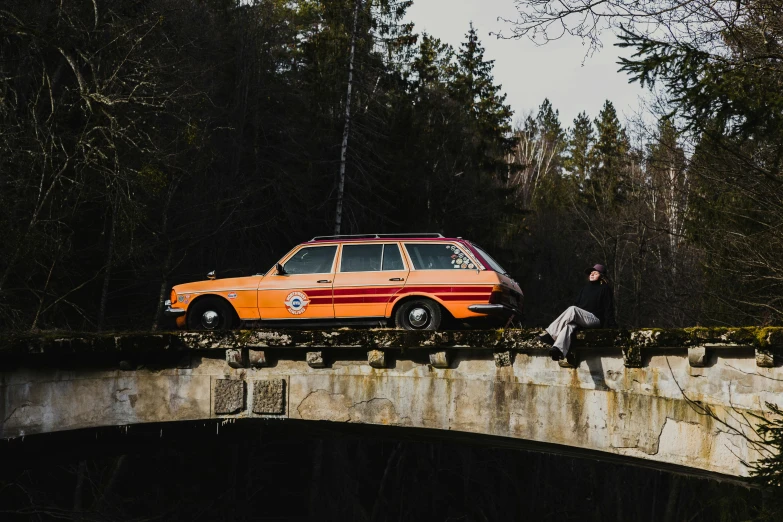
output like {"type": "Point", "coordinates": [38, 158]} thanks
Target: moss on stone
{"type": "Point", "coordinates": [739, 335]}
{"type": "Point", "coordinates": [699, 334]}
{"type": "Point", "coordinates": [747, 335]}
{"type": "Point", "coordinates": [57, 342]}
{"type": "Point", "coordinates": [661, 337]}
{"type": "Point", "coordinates": [600, 337]}
{"type": "Point", "coordinates": [244, 336]}
{"type": "Point", "coordinates": [769, 336]}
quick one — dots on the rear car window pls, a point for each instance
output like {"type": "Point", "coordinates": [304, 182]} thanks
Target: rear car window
{"type": "Point", "coordinates": [370, 258]}
{"type": "Point", "coordinates": [392, 259]}
{"type": "Point", "coordinates": [361, 258]}
{"type": "Point", "coordinates": [311, 260]}
{"type": "Point", "coordinates": [438, 256]}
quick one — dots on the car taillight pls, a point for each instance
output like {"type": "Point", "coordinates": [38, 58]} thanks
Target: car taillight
{"type": "Point", "coordinates": [496, 297]}
{"type": "Point", "coordinates": [173, 296]}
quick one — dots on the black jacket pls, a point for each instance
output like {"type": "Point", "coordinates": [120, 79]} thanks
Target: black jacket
{"type": "Point", "coordinates": [597, 298]}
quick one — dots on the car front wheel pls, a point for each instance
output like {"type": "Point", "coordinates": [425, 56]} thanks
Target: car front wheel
{"type": "Point", "coordinates": [210, 314]}
{"type": "Point", "coordinates": [420, 314]}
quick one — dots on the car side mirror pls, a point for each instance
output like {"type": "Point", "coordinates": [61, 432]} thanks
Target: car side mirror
{"type": "Point", "coordinates": [280, 269]}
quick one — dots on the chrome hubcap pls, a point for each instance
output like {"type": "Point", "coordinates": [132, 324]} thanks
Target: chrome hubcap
{"type": "Point", "coordinates": [418, 317]}
{"type": "Point", "coordinates": [210, 319]}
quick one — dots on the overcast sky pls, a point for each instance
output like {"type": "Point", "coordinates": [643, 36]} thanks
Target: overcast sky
{"type": "Point", "coordinates": [530, 73]}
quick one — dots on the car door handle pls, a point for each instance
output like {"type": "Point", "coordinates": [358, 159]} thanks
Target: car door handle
{"type": "Point", "coordinates": [324, 281]}
{"type": "Point", "coordinates": [397, 279]}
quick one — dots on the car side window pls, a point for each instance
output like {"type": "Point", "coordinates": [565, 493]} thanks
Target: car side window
{"type": "Point", "coordinates": [438, 256]}
{"type": "Point", "coordinates": [361, 258]}
{"type": "Point", "coordinates": [311, 260]}
{"type": "Point", "coordinates": [392, 259]}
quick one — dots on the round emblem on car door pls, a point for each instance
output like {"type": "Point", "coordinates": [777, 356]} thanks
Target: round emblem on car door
{"type": "Point", "coordinates": [296, 302]}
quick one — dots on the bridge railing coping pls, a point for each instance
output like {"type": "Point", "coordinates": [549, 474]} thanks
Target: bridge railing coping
{"type": "Point", "coordinates": [246, 347]}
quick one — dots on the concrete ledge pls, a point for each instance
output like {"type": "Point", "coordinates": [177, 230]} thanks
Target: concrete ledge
{"type": "Point", "coordinates": [380, 338]}
{"type": "Point", "coordinates": [257, 348]}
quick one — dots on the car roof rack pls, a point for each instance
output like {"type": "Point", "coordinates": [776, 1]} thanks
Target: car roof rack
{"type": "Point", "coordinates": [377, 236]}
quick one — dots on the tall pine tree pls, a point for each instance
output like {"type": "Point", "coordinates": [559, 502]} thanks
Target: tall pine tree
{"type": "Point", "coordinates": [609, 158]}
{"type": "Point", "coordinates": [490, 118]}
{"type": "Point", "coordinates": [580, 144]}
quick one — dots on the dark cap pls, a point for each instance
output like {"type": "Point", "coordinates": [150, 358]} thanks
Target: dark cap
{"type": "Point", "coordinates": [601, 269]}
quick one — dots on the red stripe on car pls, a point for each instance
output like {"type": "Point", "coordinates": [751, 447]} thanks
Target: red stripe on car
{"type": "Point", "coordinates": [361, 299]}
{"type": "Point", "coordinates": [364, 291]}
{"type": "Point", "coordinates": [445, 289]}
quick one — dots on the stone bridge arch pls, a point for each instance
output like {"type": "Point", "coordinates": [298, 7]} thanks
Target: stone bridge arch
{"type": "Point", "coordinates": [643, 394]}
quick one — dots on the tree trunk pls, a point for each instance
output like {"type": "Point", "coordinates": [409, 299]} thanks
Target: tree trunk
{"type": "Point", "coordinates": [347, 127]}
{"type": "Point", "coordinates": [671, 503]}
{"type": "Point", "coordinates": [164, 283]}
{"type": "Point", "coordinates": [102, 503]}
{"type": "Point", "coordinates": [107, 273]}
{"type": "Point", "coordinates": [166, 271]}
{"type": "Point", "coordinates": [45, 289]}
{"type": "Point", "coordinates": [380, 498]}
{"type": "Point", "coordinates": [78, 492]}
{"type": "Point", "coordinates": [315, 506]}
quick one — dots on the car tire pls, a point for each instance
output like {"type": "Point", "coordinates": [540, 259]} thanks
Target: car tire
{"type": "Point", "coordinates": [418, 314]}
{"type": "Point", "coordinates": [210, 314]}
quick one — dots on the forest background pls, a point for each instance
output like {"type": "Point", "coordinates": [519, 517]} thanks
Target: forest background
{"type": "Point", "coordinates": [144, 143]}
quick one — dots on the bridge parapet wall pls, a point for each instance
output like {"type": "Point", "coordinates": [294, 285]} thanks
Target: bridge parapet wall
{"type": "Point", "coordinates": [766, 343]}
{"type": "Point", "coordinates": [681, 397]}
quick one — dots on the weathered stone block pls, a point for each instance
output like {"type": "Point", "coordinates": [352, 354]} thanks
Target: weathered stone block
{"type": "Point", "coordinates": [504, 358]}
{"type": "Point", "coordinates": [698, 356]}
{"type": "Point", "coordinates": [440, 359]}
{"type": "Point", "coordinates": [316, 359]}
{"type": "Point", "coordinates": [376, 358]}
{"type": "Point", "coordinates": [256, 358]}
{"type": "Point", "coordinates": [269, 397]}
{"type": "Point", "coordinates": [235, 357]}
{"type": "Point", "coordinates": [632, 356]}
{"type": "Point", "coordinates": [765, 358]}
{"type": "Point", "coordinates": [622, 438]}
{"type": "Point", "coordinates": [229, 396]}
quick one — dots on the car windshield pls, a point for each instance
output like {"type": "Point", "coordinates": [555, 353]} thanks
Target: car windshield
{"type": "Point", "coordinates": [488, 258]}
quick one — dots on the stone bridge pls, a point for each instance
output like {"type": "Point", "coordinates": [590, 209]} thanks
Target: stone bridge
{"type": "Point", "coordinates": [689, 398]}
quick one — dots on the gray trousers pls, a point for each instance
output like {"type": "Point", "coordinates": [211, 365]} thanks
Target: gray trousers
{"type": "Point", "coordinates": [562, 327]}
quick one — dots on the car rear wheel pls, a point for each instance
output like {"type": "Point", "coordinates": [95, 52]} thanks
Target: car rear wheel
{"type": "Point", "coordinates": [420, 314]}
{"type": "Point", "coordinates": [210, 314]}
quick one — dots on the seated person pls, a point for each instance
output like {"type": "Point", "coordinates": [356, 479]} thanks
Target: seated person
{"type": "Point", "coordinates": [594, 308]}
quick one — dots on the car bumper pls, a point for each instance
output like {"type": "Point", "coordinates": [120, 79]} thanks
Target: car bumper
{"type": "Point", "coordinates": [496, 309]}
{"type": "Point", "coordinates": [172, 312]}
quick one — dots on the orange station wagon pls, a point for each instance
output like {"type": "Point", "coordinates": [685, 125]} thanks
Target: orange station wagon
{"type": "Point", "coordinates": [415, 281]}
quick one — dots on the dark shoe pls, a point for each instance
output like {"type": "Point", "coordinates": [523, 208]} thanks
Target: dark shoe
{"type": "Point", "coordinates": [556, 354]}
{"type": "Point", "coordinates": [546, 338]}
